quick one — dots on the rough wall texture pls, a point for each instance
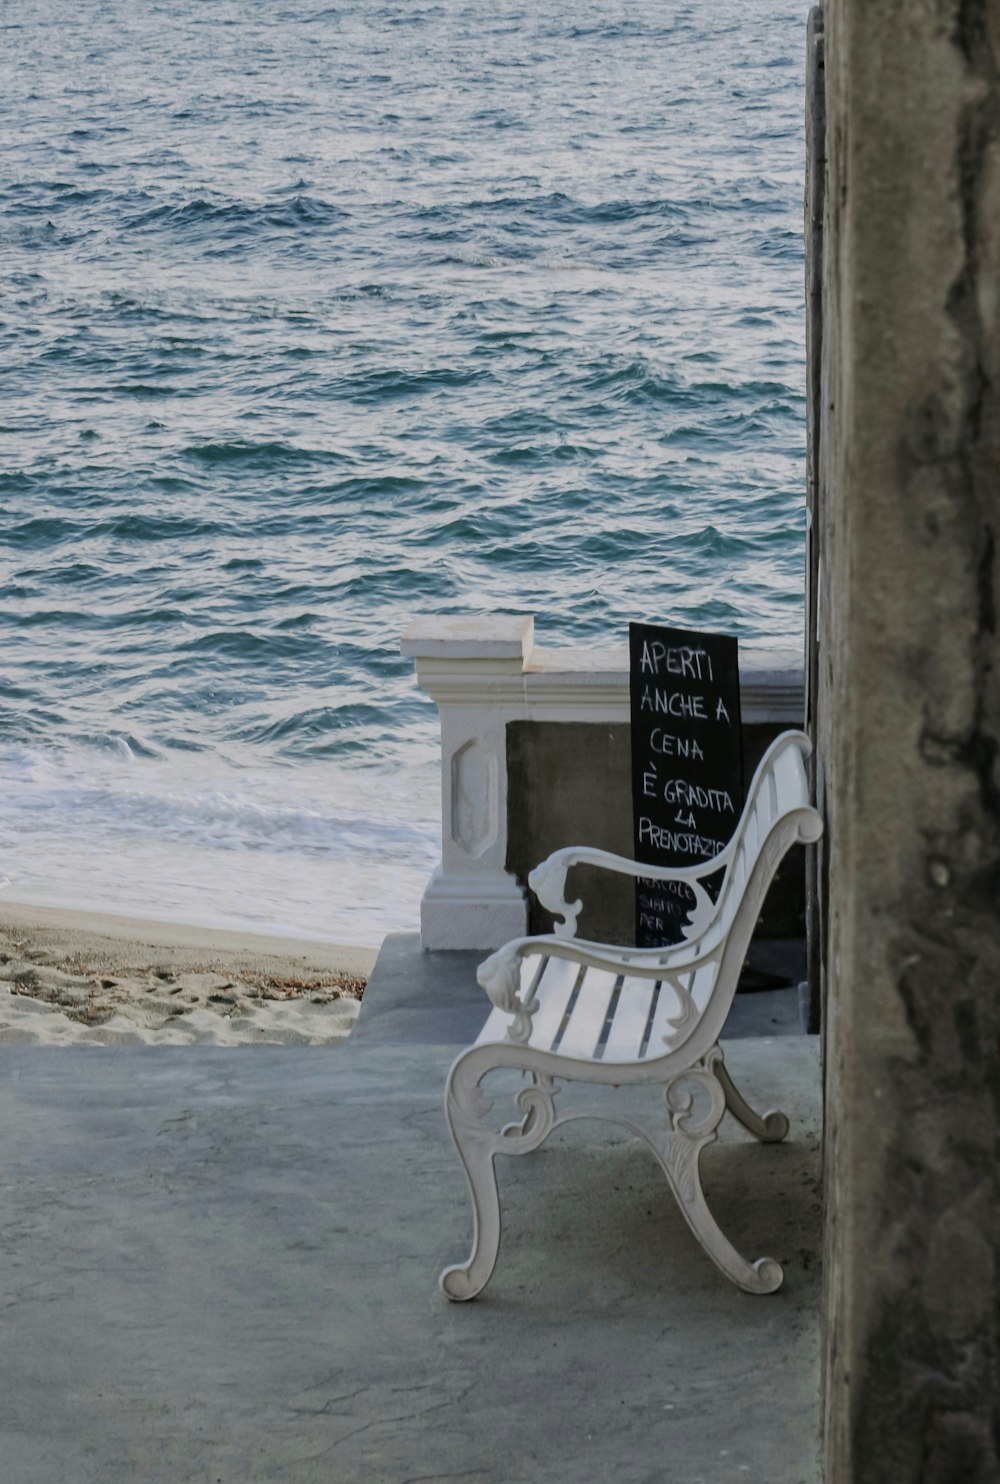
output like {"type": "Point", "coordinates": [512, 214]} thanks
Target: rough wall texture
{"type": "Point", "coordinates": [909, 727]}
{"type": "Point", "coordinates": [815, 203]}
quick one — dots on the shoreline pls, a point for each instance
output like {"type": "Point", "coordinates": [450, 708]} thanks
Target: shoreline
{"type": "Point", "coordinates": [75, 977]}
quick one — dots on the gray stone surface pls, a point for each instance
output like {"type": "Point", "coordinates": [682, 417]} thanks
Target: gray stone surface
{"type": "Point", "coordinates": [220, 1266]}
{"type": "Point", "coordinates": [428, 998]}
{"type": "Point", "coordinates": [909, 733]}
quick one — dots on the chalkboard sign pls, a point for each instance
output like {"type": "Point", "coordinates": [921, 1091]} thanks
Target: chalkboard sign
{"type": "Point", "coordinates": [687, 763]}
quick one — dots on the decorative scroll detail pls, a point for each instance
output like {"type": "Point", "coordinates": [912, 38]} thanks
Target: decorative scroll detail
{"type": "Point", "coordinates": [701, 913]}
{"type": "Point", "coordinates": [548, 882]}
{"type": "Point", "coordinates": [810, 827]}
{"type": "Point", "coordinates": [474, 1102]}
{"type": "Point", "coordinates": [682, 1156]}
{"type": "Point", "coordinates": [519, 1030]}
{"type": "Point", "coordinates": [680, 1099]}
{"type": "Point", "coordinates": [686, 1015]}
{"type": "Point", "coordinates": [538, 1106]}
{"type": "Point", "coordinates": [469, 1109]}
{"type": "Point", "coordinates": [500, 976]}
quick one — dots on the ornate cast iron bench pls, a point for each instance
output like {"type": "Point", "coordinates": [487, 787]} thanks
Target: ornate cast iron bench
{"type": "Point", "coordinates": [578, 1011]}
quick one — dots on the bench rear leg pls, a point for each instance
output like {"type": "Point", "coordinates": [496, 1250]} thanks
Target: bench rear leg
{"type": "Point", "coordinates": [678, 1150]}
{"type": "Point", "coordinates": [769, 1127]}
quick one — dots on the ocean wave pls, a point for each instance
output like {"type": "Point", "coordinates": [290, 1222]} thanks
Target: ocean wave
{"type": "Point", "coordinates": [142, 526]}
{"type": "Point", "coordinates": [383, 384]}
{"type": "Point", "coordinates": [269, 454]}
{"type": "Point", "coordinates": [200, 217]}
{"type": "Point", "coordinates": [317, 731]}
{"type": "Point", "coordinates": [492, 309]}
{"type": "Point", "coordinates": [41, 531]}
{"type": "Point", "coordinates": [191, 840]}
{"type": "Point", "coordinates": [245, 644]}
{"type": "Point", "coordinates": [557, 206]}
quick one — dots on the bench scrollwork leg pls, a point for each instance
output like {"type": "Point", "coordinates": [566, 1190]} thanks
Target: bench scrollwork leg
{"type": "Point", "coordinates": [478, 1144]}
{"type": "Point", "coordinates": [679, 1150]}
{"type": "Point", "coordinates": [769, 1127]}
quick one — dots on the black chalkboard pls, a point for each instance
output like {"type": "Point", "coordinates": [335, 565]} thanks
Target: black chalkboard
{"type": "Point", "coordinates": [687, 763]}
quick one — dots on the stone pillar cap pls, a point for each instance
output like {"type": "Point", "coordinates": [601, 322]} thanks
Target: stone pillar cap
{"type": "Point", "coordinates": [469, 636]}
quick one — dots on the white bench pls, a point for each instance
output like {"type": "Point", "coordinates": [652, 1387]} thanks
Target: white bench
{"type": "Point", "coordinates": [578, 1011]}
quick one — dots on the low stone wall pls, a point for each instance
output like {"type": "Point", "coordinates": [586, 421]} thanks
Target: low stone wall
{"type": "Point", "coordinates": [535, 755]}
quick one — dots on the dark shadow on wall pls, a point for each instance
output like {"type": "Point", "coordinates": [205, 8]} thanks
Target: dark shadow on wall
{"type": "Point", "coordinates": [570, 783]}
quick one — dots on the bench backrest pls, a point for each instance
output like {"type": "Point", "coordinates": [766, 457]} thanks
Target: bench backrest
{"type": "Point", "coordinates": [777, 815]}
{"type": "Point", "coordinates": [780, 787]}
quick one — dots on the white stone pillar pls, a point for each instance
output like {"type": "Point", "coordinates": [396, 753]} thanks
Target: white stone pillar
{"type": "Point", "coordinates": [473, 667]}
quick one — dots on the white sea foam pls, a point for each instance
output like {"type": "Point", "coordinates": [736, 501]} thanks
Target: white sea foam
{"type": "Point", "coordinates": [327, 851]}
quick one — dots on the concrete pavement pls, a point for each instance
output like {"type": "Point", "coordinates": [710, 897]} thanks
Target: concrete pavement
{"type": "Point", "coordinates": [220, 1266]}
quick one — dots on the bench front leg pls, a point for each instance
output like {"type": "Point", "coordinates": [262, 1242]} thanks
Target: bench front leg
{"type": "Point", "coordinates": [478, 1143]}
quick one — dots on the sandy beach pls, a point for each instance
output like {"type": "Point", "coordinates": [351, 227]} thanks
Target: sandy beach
{"type": "Point", "coordinates": [70, 978]}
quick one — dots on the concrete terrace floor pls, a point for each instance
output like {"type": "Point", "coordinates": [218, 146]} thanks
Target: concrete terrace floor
{"type": "Point", "coordinates": [221, 1266]}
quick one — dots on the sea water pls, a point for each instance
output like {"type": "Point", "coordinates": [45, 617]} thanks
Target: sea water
{"type": "Point", "coordinates": [314, 318]}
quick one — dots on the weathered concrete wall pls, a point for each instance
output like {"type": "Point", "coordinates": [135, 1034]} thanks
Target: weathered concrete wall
{"type": "Point", "coordinates": [909, 725]}
{"type": "Point", "coordinates": [815, 204]}
{"type": "Point", "coordinates": [570, 783]}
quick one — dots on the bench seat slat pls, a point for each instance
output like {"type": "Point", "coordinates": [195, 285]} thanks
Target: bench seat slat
{"type": "Point", "coordinates": [631, 1018]}
{"type": "Point", "coordinates": [553, 994]}
{"type": "Point", "coordinates": [586, 1022]}
{"type": "Point", "coordinates": [702, 984]}
{"type": "Point", "coordinates": [669, 1007]}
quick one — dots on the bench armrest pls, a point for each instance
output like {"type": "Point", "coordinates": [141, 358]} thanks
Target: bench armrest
{"type": "Point", "coordinates": [500, 974]}
{"type": "Point", "coordinates": [548, 882]}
